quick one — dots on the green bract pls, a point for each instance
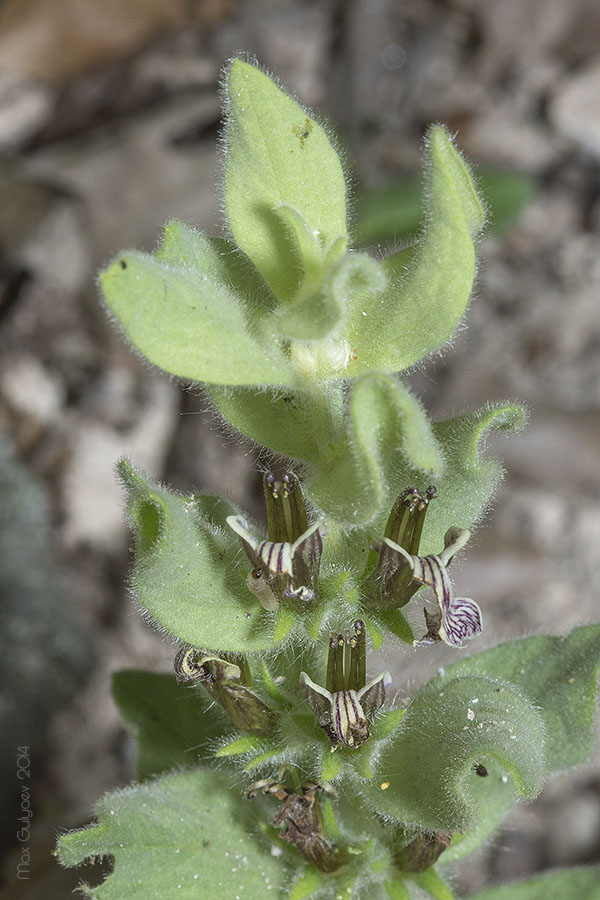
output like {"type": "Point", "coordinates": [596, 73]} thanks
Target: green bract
{"type": "Point", "coordinates": [185, 835]}
{"type": "Point", "coordinates": [174, 727]}
{"type": "Point", "coordinates": [277, 764]}
{"type": "Point", "coordinates": [184, 577]}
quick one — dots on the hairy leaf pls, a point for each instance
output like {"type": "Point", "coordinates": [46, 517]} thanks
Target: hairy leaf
{"type": "Point", "coordinates": [386, 428]}
{"type": "Point", "coordinates": [186, 576]}
{"type": "Point", "coordinates": [424, 301]}
{"type": "Point", "coordinates": [469, 478]}
{"type": "Point", "coordinates": [494, 796]}
{"type": "Point", "coordinates": [189, 322]}
{"type": "Point", "coordinates": [279, 156]}
{"type": "Point", "coordinates": [185, 835]}
{"type": "Point", "coordinates": [320, 306]}
{"type": "Point", "coordinates": [296, 423]}
{"type": "Point", "coordinates": [318, 302]}
{"type": "Point", "coordinates": [221, 260]}
{"type": "Point", "coordinates": [429, 762]}
{"type": "Point", "coordinates": [559, 675]}
{"type": "Point", "coordinates": [173, 724]}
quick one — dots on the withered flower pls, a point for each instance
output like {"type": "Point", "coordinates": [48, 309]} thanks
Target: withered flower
{"type": "Point", "coordinates": [300, 819]}
{"type": "Point", "coordinates": [227, 683]}
{"type": "Point", "coordinates": [422, 852]}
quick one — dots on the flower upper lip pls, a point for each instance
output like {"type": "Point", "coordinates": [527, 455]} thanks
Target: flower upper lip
{"type": "Point", "coordinates": [289, 569]}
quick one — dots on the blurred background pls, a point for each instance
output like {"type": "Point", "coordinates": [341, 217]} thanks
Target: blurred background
{"type": "Point", "coordinates": [109, 125]}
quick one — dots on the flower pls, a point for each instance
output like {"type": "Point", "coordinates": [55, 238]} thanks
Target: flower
{"type": "Point", "coordinates": [286, 565]}
{"type": "Point", "coordinates": [457, 618]}
{"type": "Point", "coordinates": [391, 583]}
{"type": "Point", "coordinates": [344, 705]}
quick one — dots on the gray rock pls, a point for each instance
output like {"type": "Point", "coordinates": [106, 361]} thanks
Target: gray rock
{"type": "Point", "coordinates": [26, 105]}
{"type": "Point", "coordinates": [574, 108]}
{"type": "Point", "coordinates": [92, 497]}
{"type": "Point", "coordinates": [45, 652]}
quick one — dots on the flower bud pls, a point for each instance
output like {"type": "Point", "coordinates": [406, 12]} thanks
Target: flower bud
{"type": "Point", "coordinates": [226, 682]}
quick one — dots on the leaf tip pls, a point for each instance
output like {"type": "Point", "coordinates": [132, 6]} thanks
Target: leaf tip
{"type": "Point", "coordinates": [445, 155]}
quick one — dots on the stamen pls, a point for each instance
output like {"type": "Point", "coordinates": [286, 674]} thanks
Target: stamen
{"type": "Point", "coordinates": [347, 662]}
{"type": "Point", "coordinates": [361, 654]}
{"type": "Point", "coordinates": [390, 584]}
{"type": "Point", "coordinates": [351, 662]}
{"type": "Point", "coordinates": [335, 664]}
{"type": "Point", "coordinates": [405, 524]}
{"type": "Point", "coordinates": [286, 512]}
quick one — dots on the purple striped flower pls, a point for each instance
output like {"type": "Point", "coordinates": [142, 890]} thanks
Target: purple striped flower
{"type": "Point", "coordinates": [390, 585]}
{"type": "Point", "coordinates": [456, 618]}
{"type": "Point", "coordinates": [281, 569]}
{"type": "Point", "coordinates": [344, 707]}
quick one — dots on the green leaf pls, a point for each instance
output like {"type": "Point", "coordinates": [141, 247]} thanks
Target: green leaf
{"type": "Point", "coordinates": [397, 889]}
{"type": "Point", "coordinates": [469, 479]}
{"type": "Point", "coordinates": [309, 882]}
{"type": "Point", "coordinates": [173, 726]}
{"type": "Point", "coordinates": [271, 686]}
{"type": "Point", "coordinates": [559, 675]}
{"type": "Point", "coordinates": [316, 307]}
{"type": "Point", "coordinates": [386, 723]}
{"type": "Point", "coordinates": [214, 510]}
{"type": "Point", "coordinates": [395, 622]}
{"type": "Point", "coordinates": [319, 306]}
{"type": "Point", "coordinates": [386, 428]}
{"type": "Point", "coordinates": [429, 762]}
{"type": "Point", "coordinates": [424, 302]}
{"type": "Point", "coordinates": [185, 575]}
{"type": "Point", "coordinates": [239, 745]}
{"type": "Point", "coordinates": [375, 633]}
{"type": "Point", "coordinates": [582, 883]}
{"type": "Point", "coordinates": [183, 835]}
{"type": "Point", "coordinates": [284, 622]}
{"type": "Point", "coordinates": [331, 766]}
{"type": "Point", "coordinates": [190, 323]}
{"type": "Point", "coordinates": [292, 422]}
{"type": "Point", "coordinates": [279, 156]}
{"type": "Point", "coordinates": [263, 757]}
{"type": "Point", "coordinates": [494, 796]}
{"type": "Point", "coordinates": [186, 247]}
{"type": "Point", "coordinates": [431, 882]}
